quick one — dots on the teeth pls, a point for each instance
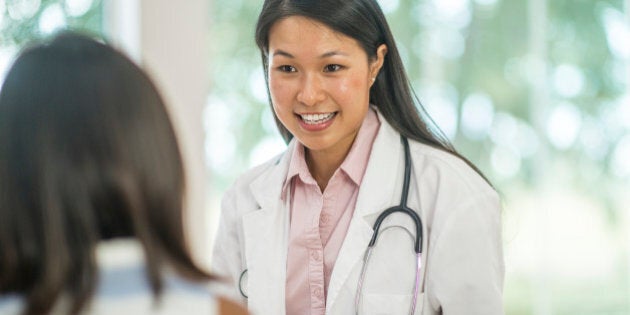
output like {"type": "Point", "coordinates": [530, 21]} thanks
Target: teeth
{"type": "Point", "coordinates": [313, 119]}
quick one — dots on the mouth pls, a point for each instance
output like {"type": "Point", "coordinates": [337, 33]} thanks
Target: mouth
{"type": "Point", "coordinates": [316, 119]}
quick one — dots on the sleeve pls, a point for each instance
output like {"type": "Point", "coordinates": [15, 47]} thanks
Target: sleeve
{"type": "Point", "coordinates": [466, 268]}
{"type": "Point", "coordinates": [227, 258]}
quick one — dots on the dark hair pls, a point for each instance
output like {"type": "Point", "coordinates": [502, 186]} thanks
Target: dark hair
{"type": "Point", "coordinates": [88, 154]}
{"type": "Point", "coordinates": [364, 21]}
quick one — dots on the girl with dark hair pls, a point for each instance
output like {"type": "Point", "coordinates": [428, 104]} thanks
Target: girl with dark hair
{"type": "Point", "coordinates": [370, 210]}
{"type": "Point", "coordinates": [91, 190]}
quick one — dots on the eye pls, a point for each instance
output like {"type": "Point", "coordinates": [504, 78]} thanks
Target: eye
{"type": "Point", "coordinates": [286, 68]}
{"type": "Point", "coordinates": [332, 68]}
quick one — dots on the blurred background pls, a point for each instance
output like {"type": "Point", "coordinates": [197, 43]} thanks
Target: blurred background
{"type": "Point", "coordinates": [536, 93]}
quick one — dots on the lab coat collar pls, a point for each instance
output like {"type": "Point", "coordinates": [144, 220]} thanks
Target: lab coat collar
{"type": "Point", "coordinates": [267, 189]}
{"type": "Point", "coordinates": [266, 239]}
{"type": "Point", "coordinates": [386, 165]}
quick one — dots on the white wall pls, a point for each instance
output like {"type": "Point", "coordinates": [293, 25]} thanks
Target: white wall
{"type": "Point", "coordinates": [169, 40]}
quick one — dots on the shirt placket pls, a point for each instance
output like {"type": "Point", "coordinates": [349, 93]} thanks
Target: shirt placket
{"type": "Point", "coordinates": [328, 216]}
{"type": "Point", "coordinates": [316, 261]}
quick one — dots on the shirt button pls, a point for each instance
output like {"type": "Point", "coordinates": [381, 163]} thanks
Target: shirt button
{"type": "Point", "coordinates": [317, 292]}
{"type": "Point", "coordinates": [325, 218]}
{"type": "Point", "coordinates": [315, 255]}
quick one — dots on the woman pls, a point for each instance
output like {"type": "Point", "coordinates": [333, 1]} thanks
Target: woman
{"type": "Point", "coordinates": [294, 231]}
{"type": "Point", "coordinates": [91, 190]}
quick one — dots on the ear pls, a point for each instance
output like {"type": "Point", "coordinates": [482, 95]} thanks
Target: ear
{"type": "Point", "coordinates": [377, 63]}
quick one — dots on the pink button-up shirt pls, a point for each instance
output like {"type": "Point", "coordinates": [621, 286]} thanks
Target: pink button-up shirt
{"type": "Point", "coordinates": [319, 221]}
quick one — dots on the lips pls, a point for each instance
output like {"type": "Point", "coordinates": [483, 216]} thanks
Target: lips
{"type": "Point", "coordinates": [316, 121]}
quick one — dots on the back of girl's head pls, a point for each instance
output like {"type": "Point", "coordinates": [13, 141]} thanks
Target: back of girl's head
{"type": "Point", "coordinates": [88, 153]}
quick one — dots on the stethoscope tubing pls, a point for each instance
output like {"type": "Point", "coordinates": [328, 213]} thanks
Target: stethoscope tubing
{"type": "Point", "coordinates": [377, 225]}
{"type": "Point", "coordinates": [403, 204]}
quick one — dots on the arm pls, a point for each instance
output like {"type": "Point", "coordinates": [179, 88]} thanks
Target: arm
{"type": "Point", "coordinates": [227, 307]}
{"type": "Point", "coordinates": [466, 266]}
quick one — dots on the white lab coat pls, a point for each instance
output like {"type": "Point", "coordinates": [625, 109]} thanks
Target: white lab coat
{"type": "Point", "coordinates": [462, 261]}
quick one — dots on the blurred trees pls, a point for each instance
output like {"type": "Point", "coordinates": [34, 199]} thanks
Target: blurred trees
{"type": "Point", "coordinates": [25, 20]}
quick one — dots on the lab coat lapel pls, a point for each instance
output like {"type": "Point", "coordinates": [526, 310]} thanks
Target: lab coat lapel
{"type": "Point", "coordinates": [385, 166]}
{"type": "Point", "coordinates": [266, 232]}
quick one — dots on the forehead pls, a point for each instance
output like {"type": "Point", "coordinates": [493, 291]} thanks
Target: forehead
{"type": "Point", "coordinates": [299, 33]}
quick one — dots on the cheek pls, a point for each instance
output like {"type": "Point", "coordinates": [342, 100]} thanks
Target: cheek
{"type": "Point", "coordinates": [278, 90]}
{"type": "Point", "coordinates": [280, 93]}
{"type": "Point", "coordinates": [352, 88]}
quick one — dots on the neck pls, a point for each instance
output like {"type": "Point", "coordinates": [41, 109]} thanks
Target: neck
{"type": "Point", "coordinates": [322, 166]}
{"type": "Point", "coordinates": [324, 162]}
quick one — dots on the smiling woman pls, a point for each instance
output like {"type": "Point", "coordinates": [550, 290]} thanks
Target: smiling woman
{"type": "Point", "coordinates": [357, 143]}
{"type": "Point", "coordinates": [508, 83]}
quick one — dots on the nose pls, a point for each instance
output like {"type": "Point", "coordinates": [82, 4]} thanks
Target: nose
{"type": "Point", "coordinates": [311, 91]}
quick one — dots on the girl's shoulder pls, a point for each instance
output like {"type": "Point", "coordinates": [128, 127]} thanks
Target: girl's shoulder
{"type": "Point", "coordinates": [11, 304]}
{"type": "Point", "coordinates": [123, 281]}
{"type": "Point", "coordinates": [127, 291]}
{"type": "Point", "coordinates": [124, 286]}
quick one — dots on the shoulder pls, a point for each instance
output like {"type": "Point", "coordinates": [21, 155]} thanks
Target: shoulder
{"type": "Point", "coordinates": [132, 294]}
{"type": "Point", "coordinates": [446, 165]}
{"type": "Point", "coordinates": [123, 283]}
{"type": "Point", "coordinates": [11, 304]}
{"type": "Point", "coordinates": [454, 197]}
{"type": "Point", "coordinates": [439, 175]}
{"type": "Point", "coordinates": [447, 171]}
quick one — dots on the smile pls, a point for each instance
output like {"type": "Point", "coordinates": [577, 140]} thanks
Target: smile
{"type": "Point", "coordinates": [315, 119]}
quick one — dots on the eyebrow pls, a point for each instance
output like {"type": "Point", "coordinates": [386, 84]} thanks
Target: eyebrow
{"type": "Point", "coordinates": [281, 52]}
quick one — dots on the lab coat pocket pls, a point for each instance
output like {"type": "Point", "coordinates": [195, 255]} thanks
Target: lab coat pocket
{"type": "Point", "coordinates": [389, 304]}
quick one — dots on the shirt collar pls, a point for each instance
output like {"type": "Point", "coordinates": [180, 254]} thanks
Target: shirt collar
{"type": "Point", "coordinates": [354, 164]}
{"type": "Point", "coordinates": [297, 167]}
{"type": "Point", "coordinates": [356, 161]}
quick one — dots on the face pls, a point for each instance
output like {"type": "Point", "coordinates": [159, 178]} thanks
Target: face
{"type": "Point", "coordinates": [320, 83]}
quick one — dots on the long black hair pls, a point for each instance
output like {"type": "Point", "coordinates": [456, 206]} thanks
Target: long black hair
{"type": "Point", "coordinates": [88, 154]}
{"type": "Point", "coordinates": [364, 21]}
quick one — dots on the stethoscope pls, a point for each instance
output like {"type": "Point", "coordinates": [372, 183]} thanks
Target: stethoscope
{"type": "Point", "coordinates": [377, 224]}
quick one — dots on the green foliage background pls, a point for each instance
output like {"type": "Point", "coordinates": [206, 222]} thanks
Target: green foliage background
{"type": "Point", "coordinates": [17, 32]}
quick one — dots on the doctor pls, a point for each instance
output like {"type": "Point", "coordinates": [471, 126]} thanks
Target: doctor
{"type": "Point", "coordinates": [294, 231]}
